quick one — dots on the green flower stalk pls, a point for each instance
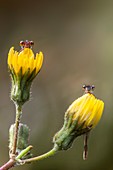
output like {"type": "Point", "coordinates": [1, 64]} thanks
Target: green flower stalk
{"type": "Point", "coordinates": [24, 67]}
{"type": "Point", "coordinates": [81, 116]}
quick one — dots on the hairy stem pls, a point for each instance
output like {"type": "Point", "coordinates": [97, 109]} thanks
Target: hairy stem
{"type": "Point", "coordinates": [12, 161]}
{"type": "Point", "coordinates": [17, 121]}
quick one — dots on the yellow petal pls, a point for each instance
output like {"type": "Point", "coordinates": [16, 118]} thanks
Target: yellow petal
{"type": "Point", "coordinates": [80, 109]}
{"type": "Point", "coordinates": [77, 103]}
{"type": "Point", "coordinates": [31, 63]}
{"type": "Point", "coordinates": [10, 55]}
{"type": "Point", "coordinates": [97, 113]}
{"type": "Point", "coordinates": [87, 112]}
{"type": "Point", "coordinates": [39, 61]}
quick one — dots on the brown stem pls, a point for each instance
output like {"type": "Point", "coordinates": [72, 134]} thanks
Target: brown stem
{"type": "Point", "coordinates": [85, 152]}
{"type": "Point", "coordinates": [8, 165]}
{"type": "Point", "coordinates": [17, 121]}
{"type": "Point", "coordinates": [11, 162]}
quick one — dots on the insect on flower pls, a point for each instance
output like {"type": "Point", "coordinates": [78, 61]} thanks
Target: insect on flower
{"type": "Point", "coordinates": [88, 88]}
{"type": "Point", "coordinates": [26, 44]}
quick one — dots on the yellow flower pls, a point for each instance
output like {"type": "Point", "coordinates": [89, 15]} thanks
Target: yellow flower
{"type": "Point", "coordinates": [87, 109]}
{"type": "Point", "coordinates": [81, 116]}
{"type": "Point", "coordinates": [24, 60]}
{"type": "Point", "coordinates": [23, 66]}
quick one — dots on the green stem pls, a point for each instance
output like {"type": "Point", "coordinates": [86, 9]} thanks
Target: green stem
{"type": "Point", "coordinates": [24, 152]}
{"type": "Point", "coordinates": [17, 121]}
{"type": "Point", "coordinates": [44, 156]}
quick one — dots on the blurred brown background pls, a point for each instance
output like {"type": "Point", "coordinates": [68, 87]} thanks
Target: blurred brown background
{"type": "Point", "coordinates": [76, 37]}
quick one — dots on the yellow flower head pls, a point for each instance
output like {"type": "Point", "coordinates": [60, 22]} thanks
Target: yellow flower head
{"type": "Point", "coordinates": [87, 109]}
{"type": "Point", "coordinates": [24, 60]}
{"type": "Point", "coordinates": [23, 66]}
{"type": "Point", "coordinates": [82, 115]}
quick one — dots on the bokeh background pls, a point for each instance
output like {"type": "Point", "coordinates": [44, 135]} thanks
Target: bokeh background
{"type": "Point", "coordinates": [76, 37]}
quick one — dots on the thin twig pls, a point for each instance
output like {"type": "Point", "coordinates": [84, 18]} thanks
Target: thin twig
{"type": "Point", "coordinates": [85, 152]}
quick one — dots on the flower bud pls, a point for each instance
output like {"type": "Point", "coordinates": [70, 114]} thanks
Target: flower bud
{"type": "Point", "coordinates": [81, 116]}
{"type": "Point", "coordinates": [24, 67]}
